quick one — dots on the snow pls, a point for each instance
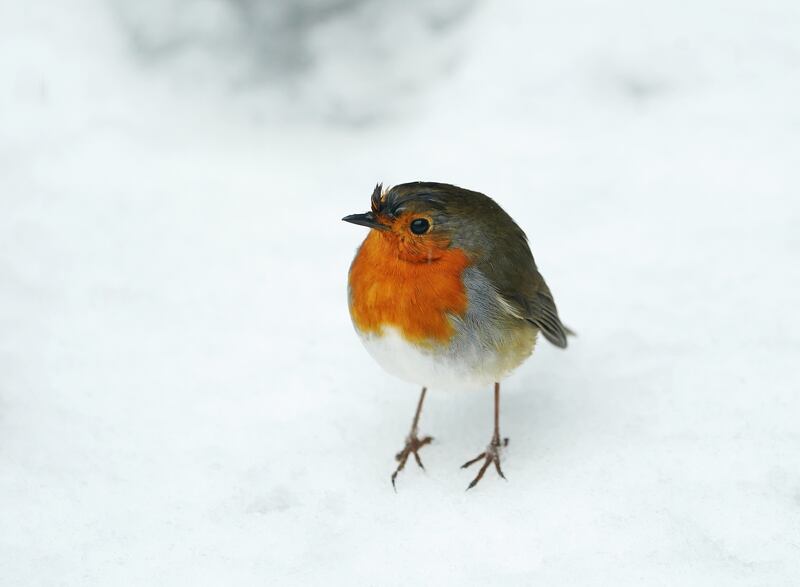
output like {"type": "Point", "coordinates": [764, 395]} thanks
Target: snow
{"type": "Point", "coordinates": [183, 399]}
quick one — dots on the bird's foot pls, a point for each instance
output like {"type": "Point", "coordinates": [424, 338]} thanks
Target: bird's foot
{"type": "Point", "coordinates": [489, 456]}
{"type": "Point", "coordinates": [413, 444]}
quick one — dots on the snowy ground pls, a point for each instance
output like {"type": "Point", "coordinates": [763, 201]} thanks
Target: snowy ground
{"type": "Point", "coordinates": [183, 400]}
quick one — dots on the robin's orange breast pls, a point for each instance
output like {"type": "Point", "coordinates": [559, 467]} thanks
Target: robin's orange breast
{"type": "Point", "coordinates": [415, 297]}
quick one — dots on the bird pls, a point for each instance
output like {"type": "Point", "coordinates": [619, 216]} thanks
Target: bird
{"type": "Point", "coordinates": [444, 293]}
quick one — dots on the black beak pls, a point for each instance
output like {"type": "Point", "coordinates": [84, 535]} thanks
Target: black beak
{"type": "Point", "coordinates": [366, 219]}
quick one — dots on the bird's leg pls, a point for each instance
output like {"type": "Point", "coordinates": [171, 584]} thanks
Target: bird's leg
{"type": "Point", "coordinates": [492, 452]}
{"type": "Point", "coordinates": [413, 442]}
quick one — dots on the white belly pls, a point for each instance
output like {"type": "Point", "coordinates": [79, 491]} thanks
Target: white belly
{"type": "Point", "coordinates": [437, 370]}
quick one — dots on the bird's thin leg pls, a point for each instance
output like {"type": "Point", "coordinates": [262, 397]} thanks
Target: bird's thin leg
{"type": "Point", "coordinates": [492, 453]}
{"type": "Point", "coordinates": [413, 442]}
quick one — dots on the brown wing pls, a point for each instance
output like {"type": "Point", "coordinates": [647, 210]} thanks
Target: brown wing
{"type": "Point", "coordinates": [540, 310]}
{"type": "Point", "coordinates": [519, 283]}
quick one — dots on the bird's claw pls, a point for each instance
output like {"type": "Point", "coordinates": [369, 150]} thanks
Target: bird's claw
{"type": "Point", "coordinates": [413, 444]}
{"type": "Point", "coordinates": [490, 456]}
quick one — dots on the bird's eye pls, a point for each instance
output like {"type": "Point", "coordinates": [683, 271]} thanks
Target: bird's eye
{"type": "Point", "coordinates": [420, 226]}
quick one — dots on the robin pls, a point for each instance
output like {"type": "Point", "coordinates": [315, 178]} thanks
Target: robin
{"type": "Point", "coordinates": [444, 293]}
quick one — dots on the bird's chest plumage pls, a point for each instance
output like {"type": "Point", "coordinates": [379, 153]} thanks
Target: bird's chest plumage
{"type": "Point", "coordinates": [418, 299]}
{"type": "Point", "coordinates": [431, 323]}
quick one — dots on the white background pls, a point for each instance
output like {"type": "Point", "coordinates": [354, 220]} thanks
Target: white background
{"type": "Point", "coordinates": [182, 398]}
